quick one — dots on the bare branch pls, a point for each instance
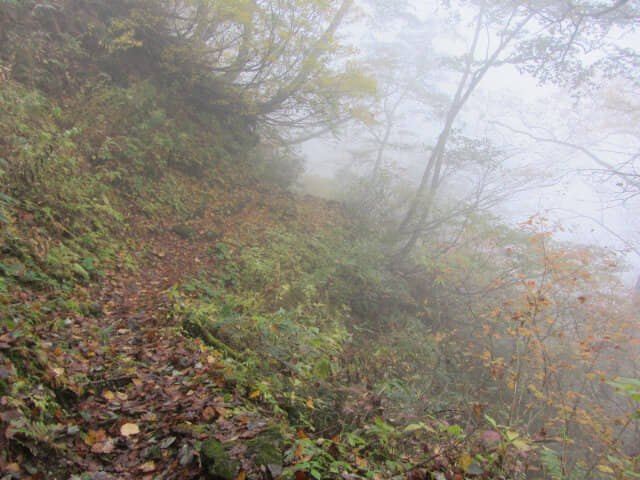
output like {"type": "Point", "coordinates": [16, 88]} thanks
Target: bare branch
{"type": "Point", "coordinates": [608, 166]}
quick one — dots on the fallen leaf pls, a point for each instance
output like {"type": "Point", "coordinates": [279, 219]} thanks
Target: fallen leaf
{"type": "Point", "coordinates": [129, 429]}
{"type": "Point", "coordinates": [241, 475]}
{"type": "Point", "coordinates": [167, 442]}
{"type": "Point", "coordinates": [103, 447]}
{"type": "Point", "coordinates": [208, 413]}
{"type": "Point", "coordinates": [95, 436]}
{"type": "Point", "coordinates": [362, 462]}
{"type": "Point", "coordinates": [242, 418]}
{"type": "Point", "coordinates": [223, 413]}
{"type": "Point", "coordinates": [254, 394]}
{"type": "Point", "coordinates": [605, 469]}
{"type": "Point", "coordinates": [149, 466]}
{"type": "Point", "coordinates": [465, 460]}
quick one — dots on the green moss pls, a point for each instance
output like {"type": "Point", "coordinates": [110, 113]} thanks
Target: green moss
{"type": "Point", "coordinates": [218, 465]}
{"type": "Point", "coordinates": [267, 447]}
{"type": "Point", "coordinates": [80, 272]}
{"type": "Point", "coordinates": [184, 231]}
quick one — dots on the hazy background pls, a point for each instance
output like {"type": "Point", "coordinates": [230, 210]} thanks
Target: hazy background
{"type": "Point", "coordinates": [510, 108]}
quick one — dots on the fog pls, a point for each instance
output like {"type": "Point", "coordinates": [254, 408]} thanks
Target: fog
{"type": "Point", "coordinates": [522, 115]}
{"type": "Point", "coordinates": [320, 239]}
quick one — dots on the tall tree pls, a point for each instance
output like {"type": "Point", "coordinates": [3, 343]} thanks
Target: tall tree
{"type": "Point", "coordinates": [547, 39]}
{"type": "Point", "coordinates": [284, 59]}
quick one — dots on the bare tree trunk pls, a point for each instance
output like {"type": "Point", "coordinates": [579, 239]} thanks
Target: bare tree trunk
{"type": "Point", "coordinates": [390, 114]}
{"type": "Point", "coordinates": [470, 80]}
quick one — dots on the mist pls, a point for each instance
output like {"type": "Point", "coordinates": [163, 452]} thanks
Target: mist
{"type": "Point", "coordinates": [557, 136]}
{"type": "Point", "coordinates": [319, 239]}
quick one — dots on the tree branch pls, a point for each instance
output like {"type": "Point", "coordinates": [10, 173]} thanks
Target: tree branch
{"type": "Point", "coordinates": [609, 167]}
{"type": "Point", "coordinates": [303, 75]}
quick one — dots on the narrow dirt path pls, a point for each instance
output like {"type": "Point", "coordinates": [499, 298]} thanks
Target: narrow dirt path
{"type": "Point", "coordinates": [135, 397]}
{"type": "Point", "coordinates": [150, 395]}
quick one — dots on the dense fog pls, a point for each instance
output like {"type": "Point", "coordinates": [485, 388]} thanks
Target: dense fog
{"type": "Point", "coordinates": [319, 239]}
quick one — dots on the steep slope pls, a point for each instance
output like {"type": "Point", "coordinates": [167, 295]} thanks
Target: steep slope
{"type": "Point", "coordinates": [168, 309]}
{"type": "Point", "coordinates": [120, 388]}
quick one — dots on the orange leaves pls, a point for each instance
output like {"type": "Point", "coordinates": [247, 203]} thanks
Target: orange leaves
{"type": "Point", "coordinates": [99, 441]}
{"type": "Point", "coordinates": [214, 411]}
{"type": "Point", "coordinates": [255, 394]}
{"type": "Point", "coordinates": [95, 436]}
{"type": "Point", "coordinates": [209, 413]}
{"type": "Point", "coordinates": [117, 396]}
{"type": "Point", "coordinates": [465, 461]}
{"type": "Point", "coordinates": [361, 462]}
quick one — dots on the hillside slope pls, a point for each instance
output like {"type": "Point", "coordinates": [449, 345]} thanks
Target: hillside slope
{"type": "Point", "coordinates": [169, 310]}
{"type": "Point", "coordinates": [76, 378]}
{"type": "Point", "coordinates": [156, 298]}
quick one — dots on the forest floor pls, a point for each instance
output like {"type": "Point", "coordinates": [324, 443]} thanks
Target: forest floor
{"type": "Point", "coordinates": [137, 395]}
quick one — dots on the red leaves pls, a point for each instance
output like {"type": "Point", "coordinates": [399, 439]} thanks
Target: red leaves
{"type": "Point", "coordinates": [490, 438]}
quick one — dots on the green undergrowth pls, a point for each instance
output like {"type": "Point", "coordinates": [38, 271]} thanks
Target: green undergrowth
{"type": "Point", "coordinates": [57, 220]}
{"type": "Point", "coordinates": [290, 314]}
{"type": "Point", "coordinates": [104, 152]}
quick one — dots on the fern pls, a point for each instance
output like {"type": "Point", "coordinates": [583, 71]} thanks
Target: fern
{"type": "Point", "coordinates": [551, 464]}
{"type": "Point", "coordinates": [5, 201]}
{"type": "Point", "coordinates": [36, 431]}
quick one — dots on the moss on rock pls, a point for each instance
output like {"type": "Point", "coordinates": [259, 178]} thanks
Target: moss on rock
{"type": "Point", "coordinates": [216, 462]}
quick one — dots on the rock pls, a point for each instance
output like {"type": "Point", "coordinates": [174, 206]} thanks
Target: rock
{"type": "Point", "coordinates": [212, 235]}
{"type": "Point", "coordinates": [266, 448]}
{"type": "Point", "coordinates": [80, 272]}
{"type": "Point", "coordinates": [216, 463]}
{"type": "Point", "coordinates": [95, 309]}
{"type": "Point", "coordinates": [184, 231]}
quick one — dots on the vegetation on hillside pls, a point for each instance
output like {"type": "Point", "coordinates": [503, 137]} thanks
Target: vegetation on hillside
{"type": "Point", "coordinates": [168, 309]}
